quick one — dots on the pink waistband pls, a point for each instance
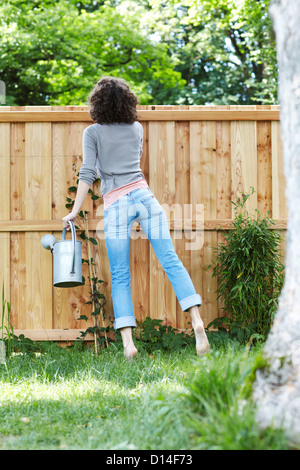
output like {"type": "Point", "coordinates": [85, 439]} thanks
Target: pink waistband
{"type": "Point", "coordinates": [113, 196]}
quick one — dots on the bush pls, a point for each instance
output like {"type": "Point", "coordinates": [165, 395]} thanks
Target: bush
{"type": "Point", "coordinates": [250, 273]}
{"type": "Point", "coordinates": [153, 335]}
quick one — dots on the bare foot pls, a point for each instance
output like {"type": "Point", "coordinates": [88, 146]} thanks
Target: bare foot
{"type": "Point", "coordinates": [202, 344]}
{"type": "Point", "coordinates": [129, 348]}
{"type": "Point", "coordinates": [130, 351]}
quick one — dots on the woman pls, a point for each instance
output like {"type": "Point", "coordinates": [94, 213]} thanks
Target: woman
{"type": "Point", "coordinates": [112, 148]}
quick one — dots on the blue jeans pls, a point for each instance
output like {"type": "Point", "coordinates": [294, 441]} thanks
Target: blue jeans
{"type": "Point", "coordinates": [141, 205]}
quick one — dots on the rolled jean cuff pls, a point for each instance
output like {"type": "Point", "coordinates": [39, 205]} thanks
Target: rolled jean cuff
{"type": "Point", "coordinates": [190, 301]}
{"type": "Point", "coordinates": [123, 322]}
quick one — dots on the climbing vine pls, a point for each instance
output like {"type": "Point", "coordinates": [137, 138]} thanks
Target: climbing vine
{"type": "Point", "coordinates": [97, 297]}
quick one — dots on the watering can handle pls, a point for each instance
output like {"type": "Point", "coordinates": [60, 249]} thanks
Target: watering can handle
{"type": "Point", "coordinates": [63, 237]}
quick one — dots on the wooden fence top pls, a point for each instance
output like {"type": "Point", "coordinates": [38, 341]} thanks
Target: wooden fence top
{"type": "Point", "coordinates": [211, 113]}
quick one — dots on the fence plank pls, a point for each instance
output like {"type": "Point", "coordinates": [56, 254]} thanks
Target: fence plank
{"type": "Point", "coordinates": [140, 249]}
{"type": "Point", "coordinates": [278, 180]}
{"type": "Point", "coordinates": [162, 182]}
{"type": "Point", "coordinates": [196, 193]}
{"type": "Point", "coordinates": [37, 196]}
{"type": "Point", "coordinates": [182, 205]}
{"type": "Point", "coordinates": [279, 206]}
{"type": "Point", "coordinates": [264, 164]}
{"type": "Point", "coordinates": [5, 182]}
{"type": "Point", "coordinates": [224, 186]}
{"type": "Point", "coordinates": [205, 165]}
{"type": "Point", "coordinates": [244, 160]}
{"type": "Point", "coordinates": [62, 178]}
{"type": "Point", "coordinates": [18, 214]}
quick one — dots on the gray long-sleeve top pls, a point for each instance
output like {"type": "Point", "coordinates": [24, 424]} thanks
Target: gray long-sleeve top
{"type": "Point", "coordinates": [113, 151]}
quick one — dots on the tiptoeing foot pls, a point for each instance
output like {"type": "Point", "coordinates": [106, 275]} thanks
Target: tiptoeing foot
{"type": "Point", "coordinates": [129, 348]}
{"type": "Point", "coordinates": [202, 344]}
{"type": "Point", "coordinates": [130, 351]}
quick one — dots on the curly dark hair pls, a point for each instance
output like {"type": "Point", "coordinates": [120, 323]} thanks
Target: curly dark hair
{"type": "Point", "coordinates": [111, 101]}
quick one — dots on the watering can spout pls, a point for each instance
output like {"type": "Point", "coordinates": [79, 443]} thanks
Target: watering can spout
{"type": "Point", "coordinates": [48, 242]}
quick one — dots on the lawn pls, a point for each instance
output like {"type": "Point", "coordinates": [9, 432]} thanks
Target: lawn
{"type": "Point", "coordinates": [74, 400]}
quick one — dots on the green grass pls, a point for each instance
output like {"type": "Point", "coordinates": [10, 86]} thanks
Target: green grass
{"type": "Point", "coordinates": [172, 400]}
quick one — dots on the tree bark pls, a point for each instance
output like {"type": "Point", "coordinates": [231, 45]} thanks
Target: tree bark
{"type": "Point", "coordinates": [276, 390]}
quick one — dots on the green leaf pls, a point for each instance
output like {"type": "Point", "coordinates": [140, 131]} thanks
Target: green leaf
{"type": "Point", "coordinates": [83, 317]}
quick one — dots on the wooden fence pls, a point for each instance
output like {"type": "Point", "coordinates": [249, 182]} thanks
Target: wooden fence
{"type": "Point", "coordinates": [194, 157]}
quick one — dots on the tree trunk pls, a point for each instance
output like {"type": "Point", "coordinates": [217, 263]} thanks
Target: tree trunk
{"type": "Point", "coordinates": [276, 389]}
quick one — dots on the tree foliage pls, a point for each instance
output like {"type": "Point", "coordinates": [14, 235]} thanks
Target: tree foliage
{"type": "Point", "coordinates": [174, 52]}
{"type": "Point", "coordinates": [53, 54]}
{"type": "Point", "coordinates": [225, 49]}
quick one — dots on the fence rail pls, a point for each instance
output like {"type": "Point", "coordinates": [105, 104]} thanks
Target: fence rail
{"type": "Point", "coordinates": [193, 157]}
{"type": "Point", "coordinates": [155, 114]}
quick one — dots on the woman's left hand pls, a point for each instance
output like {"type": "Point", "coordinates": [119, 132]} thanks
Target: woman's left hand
{"type": "Point", "coordinates": [72, 216]}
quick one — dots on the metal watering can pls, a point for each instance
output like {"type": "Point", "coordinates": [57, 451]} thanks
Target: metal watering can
{"type": "Point", "coordinates": [67, 265]}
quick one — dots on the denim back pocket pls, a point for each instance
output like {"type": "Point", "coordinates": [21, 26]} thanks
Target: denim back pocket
{"type": "Point", "coordinates": [148, 196]}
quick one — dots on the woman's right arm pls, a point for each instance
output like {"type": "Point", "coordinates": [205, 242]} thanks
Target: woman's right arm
{"type": "Point", "coordinates": [82, 191]}
{"type": "Point", "coordinates": [87, 174]}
